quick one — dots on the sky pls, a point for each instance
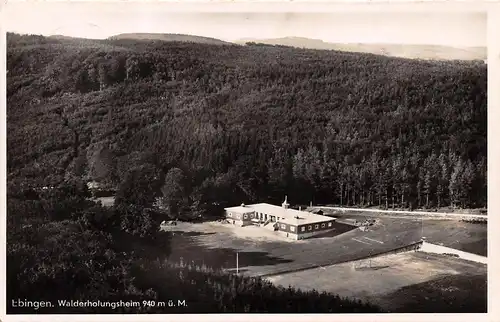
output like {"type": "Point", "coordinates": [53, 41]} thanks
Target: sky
{"type": "Point", "coordinates": [457, 29]}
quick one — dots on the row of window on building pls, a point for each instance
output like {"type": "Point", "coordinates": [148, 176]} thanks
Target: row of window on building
{"type": "Point", "coordinates": [257, 215]}
{"type": "Point", "coordinates": [309, 228]}
{"type": "Point", "coordinates": [316, 226]}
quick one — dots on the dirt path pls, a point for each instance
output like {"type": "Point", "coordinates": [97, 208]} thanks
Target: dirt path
{"type": "Point", "coordinates": [413, 214]}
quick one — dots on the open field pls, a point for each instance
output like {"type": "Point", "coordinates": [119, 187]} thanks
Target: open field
{"type": "Point", "coordinates": [464, 293]}
{"type": "Point", "coordinates": [347, 245]}
{"type": "Point", "coordinates": [263, 253]}
{"type": "Point", "coordinates": [407, 282]}
{"type": "Point", "coordinates": [463, 236]}
{"type": "Point", "coordinates": [404, 282]}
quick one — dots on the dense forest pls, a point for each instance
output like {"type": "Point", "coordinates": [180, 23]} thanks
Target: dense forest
{"type": "Point", "coordinates": [248, 123]}
{"type": "Point", "coordinates": [182, 129]}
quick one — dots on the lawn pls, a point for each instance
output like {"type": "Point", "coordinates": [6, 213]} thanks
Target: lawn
{"type": "Point", "coordinates": [407, 282]}
{"type": "Point", "coordinates": [403, 282]}
{"type": "Point", "coordinates": [260, 253]}
{"type": "Point", "coordinates": [456, 234]}
{"type": "Point", "coordinates": [464, 293]}
{"type": "Point", "coordinates": [464, 236]}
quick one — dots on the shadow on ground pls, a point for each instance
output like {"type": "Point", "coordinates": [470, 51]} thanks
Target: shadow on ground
{"type": "Point", "coordinates": [187, 249]}
{"type": "Point", "coordinates": [338, 229]}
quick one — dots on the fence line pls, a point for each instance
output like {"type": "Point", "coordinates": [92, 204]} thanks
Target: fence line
{"type": "Point", "coordinates": [408, 248]}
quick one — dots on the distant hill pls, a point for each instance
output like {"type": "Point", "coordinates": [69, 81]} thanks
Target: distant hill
{"type": "Point", "coordinates": [70, 39]}
{"type": "Point", "coordinates": [170, 37]}
{"type": "Point", "coordinates": [63, 37]}
{"type": "Point", "coordinates": [395, 50]}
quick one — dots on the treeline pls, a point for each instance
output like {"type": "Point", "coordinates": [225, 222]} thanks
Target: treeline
{"type": "Point", "coordinates": [61, 246]}
{"type": "Point", "coordinates": [249, 123]}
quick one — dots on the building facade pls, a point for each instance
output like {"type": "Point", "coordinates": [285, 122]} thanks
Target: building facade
{"type": "Point", "coordinates": [295, 224]}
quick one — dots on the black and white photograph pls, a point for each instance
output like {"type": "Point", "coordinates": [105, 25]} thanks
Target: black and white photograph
{"type": "Point", "coordinates": [163, 161]}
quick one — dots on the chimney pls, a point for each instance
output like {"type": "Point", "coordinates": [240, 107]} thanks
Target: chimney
{"type": "Point", "coordinates": [285, 203]}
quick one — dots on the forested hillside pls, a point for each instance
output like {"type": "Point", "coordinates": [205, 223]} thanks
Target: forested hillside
{"type": "Point", "coordinates": [183, 129]}
{"type": "Point", "coordinates": [247, 123]}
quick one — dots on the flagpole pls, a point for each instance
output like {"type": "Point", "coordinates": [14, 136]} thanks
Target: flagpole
{"type": "Point", "coordinates": [422, 227]}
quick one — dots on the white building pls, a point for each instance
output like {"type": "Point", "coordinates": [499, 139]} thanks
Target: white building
{"type": "Point", "coordinates": [293, 223]}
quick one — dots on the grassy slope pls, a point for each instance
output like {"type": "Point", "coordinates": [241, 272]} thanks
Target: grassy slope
{"type": "Point", "coordinates": [464, 293]}
{"type": "Point", "coordinates": [396, 277]}
{"type": "Point", "coordinates": [404, 283]}
{"type": "Point", "coordinates": [216, 245]}
{"type": "Point", "coordinates": [456, 234]}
